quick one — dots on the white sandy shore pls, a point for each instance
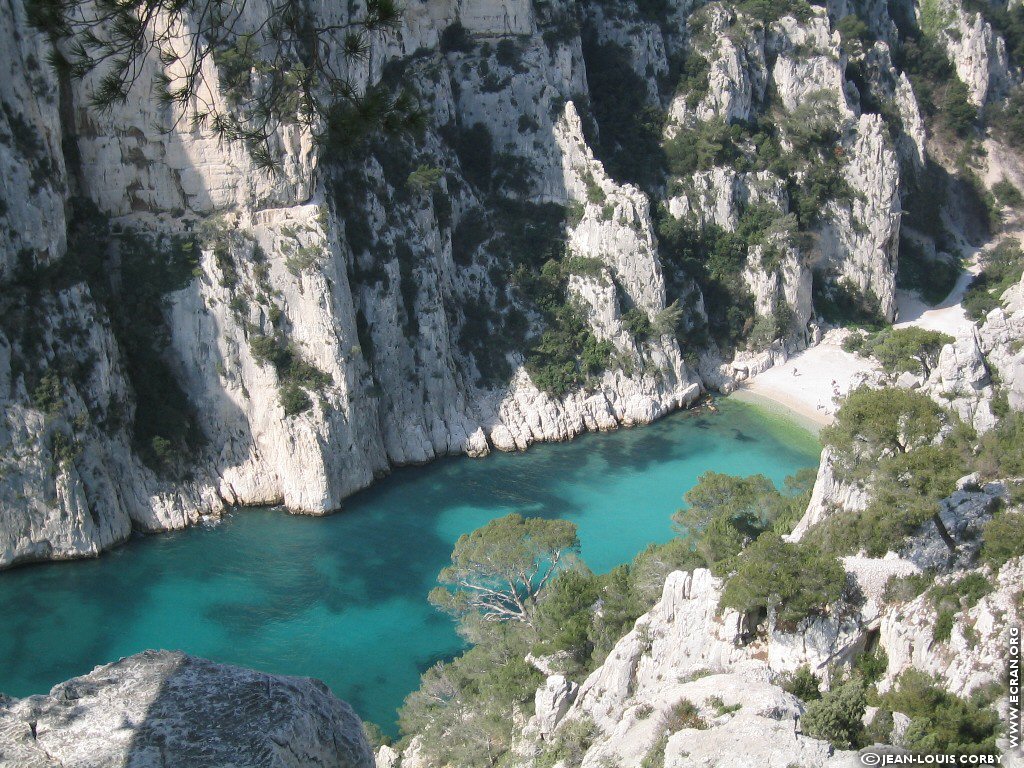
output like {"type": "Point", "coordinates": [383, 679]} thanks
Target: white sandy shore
{"type": "Point", "coordinates": [811, 382]}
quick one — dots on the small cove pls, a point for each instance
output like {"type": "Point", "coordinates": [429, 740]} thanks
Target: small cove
{"type": "Point", "coordinates": [343, 598]}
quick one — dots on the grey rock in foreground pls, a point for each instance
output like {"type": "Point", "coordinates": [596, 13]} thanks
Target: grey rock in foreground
{"type": "Point", "coordinates": [162, 708]}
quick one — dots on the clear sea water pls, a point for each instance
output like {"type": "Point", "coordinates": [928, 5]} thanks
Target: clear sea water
{"type": "Point", "coordinates": [343, 598]}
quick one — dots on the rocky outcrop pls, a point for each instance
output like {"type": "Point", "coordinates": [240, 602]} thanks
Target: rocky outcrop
{"type": "Point", "coordinates": [700, 686]}
{"type": "Point", "coordinates": [973, 654]}
{"type": "Point", "coordinates": [683, 653]}
{"type": "Point", "coordinates": [974, 48]}
{"type": "Point", "coordinates": [963, 514]}
{"type": "Point", "coordinates": [999, 338]}
{"type": "Point", "coordinates": [552, 701]}
{"type": "Point", "coordinates": [159, 708]}
{"type": "Point", "coordinates": [830, 495]}
{"type": "Point", "coordinates": [961, 381]}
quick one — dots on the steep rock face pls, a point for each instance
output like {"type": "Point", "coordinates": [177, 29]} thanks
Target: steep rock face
{"type": "Point", "coordinates": [396, 382]}
{"type": "Point", "coordinates": [70, 481]}
{"type": "Point", "coordinates": [768, 72]}
{"type": "Point", "coordinates": [999, 339]}
{"type": "Point", "coordinates": [341, 317]}
{"type": "Point", "coordinates": [31, 162]}
{"type": "Point", "coordinates": [975, 651]}
{"type": "Point", "coordinates": [975, 50]}
{"type": "Point", "coordinates": [829, 495]}
{"type": "Point", "coordinates": [860, 242]}
{"type": "Point", "coordinates": [160, 708]}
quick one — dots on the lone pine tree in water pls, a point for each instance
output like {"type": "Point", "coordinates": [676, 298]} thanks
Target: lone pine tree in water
{"type": "Point", "coordinates": [498, 570]}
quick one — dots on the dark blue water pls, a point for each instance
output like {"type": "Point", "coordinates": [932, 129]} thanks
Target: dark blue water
{"type": "Point", "coordinates": [343, 598]}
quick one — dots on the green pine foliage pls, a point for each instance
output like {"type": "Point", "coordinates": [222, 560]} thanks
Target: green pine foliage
{"type": "Point", "coordinates": [793, 581]}
{"type": "Point", "coordinates": [837, 716]}
{"type": "Point", "coordinates": [941, 723]}
{"type": "Point", "coordinates": [1001, 268]}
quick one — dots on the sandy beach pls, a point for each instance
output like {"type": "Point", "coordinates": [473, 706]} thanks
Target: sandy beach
{"type": "Point", "coordinates": [811, 382]}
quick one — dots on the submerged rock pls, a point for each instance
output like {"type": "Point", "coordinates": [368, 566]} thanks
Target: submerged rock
{"type": "Point", "coordinates": [162, 708]}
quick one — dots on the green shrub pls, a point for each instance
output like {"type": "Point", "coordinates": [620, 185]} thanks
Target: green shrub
{"type": "Point", "coordinates": [295, 374]}
{"type": "Point", "coordinates": [1001, 269]}
{"type": "Point", "coordinates": [872, 666]}
{"type": "Point", "coordinates": [48, 395]}
{"type": "Point", "coordinates": [702, 147]}
{"type": "Point", "coordinates": [943, 628]}
{"type": "Point", "coordinates": [959, 115]}
{"type": "Point", "coordinates": [1003, 538]}
{"type": "Point", "coordinates": [568, 354]}
{"type": "Point", "coordinates": [637, 323]}
{"type": "Point", "coordinates": [508, 52]}
{"type": "Point", "coordinates": [768, 11]}
{"type": "Point", "coordinates": [852, 29]}
{"type": "Point", "coordinates": [1000, 451]}
{"type": "Point", "coordinates": [903, 589]}
{"type": "Point", "coordinates": [655, 757]}
{"type": "Point", "coordinates": [455, 38]}
{"type": "Point", "coordinates": [803, 684]}
{"type": "Point", "coordinates": [907, 491]}
{"type": "Point", "coordinates": [684, 714]}
{"type": "Point", "coordinates": [569, 745]}
{"type": "Point", "coordinates": [837, 716]}
{"type": "Point", "coordinates": [942, 723]}
{"type": "Point", "coordinates": [294, 399]}
{"type": "Point", "coordinates": [724, 513]}
{"type": "Point", "coordinates": [1007, 119]}
{"type": "Point", "coordinates": [871, 422]}
{"type": "Point", "coordinates": [794, 580]}
{"type": "Point", "coordinates": [424, 177]}
{"type": "Point", "coordinates": [1007, 194]}
{"type": "Point", "coordinates": [694, 71]}
{"type": "Point", "coordinates": [961, 594]}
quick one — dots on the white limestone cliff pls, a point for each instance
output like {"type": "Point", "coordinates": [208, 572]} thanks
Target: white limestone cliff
{"type": "Point", "coordinates": [384, 318]}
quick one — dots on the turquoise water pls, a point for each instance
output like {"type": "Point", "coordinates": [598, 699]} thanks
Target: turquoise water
{"type": "Point", "coordinates": [343, 598]}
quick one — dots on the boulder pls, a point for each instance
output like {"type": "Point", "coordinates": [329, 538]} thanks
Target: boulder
{"type": "Point", "coordinates": [163, 708]}
{"type": "Point", "coordinates": [552, 701]}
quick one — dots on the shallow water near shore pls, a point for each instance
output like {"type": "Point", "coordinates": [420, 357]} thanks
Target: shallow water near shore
{"type": "Point", "coordinates": [343, 598]}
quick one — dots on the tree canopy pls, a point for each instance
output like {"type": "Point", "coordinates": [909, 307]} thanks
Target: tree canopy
{"type": "Point", "coordinates": [872, 423]}
{"type": "Point", "coordinates": [498, 570]}
{"type": "Point", "coordinates": [793, 580]}
{"type": "Point", "coordinates": [941, 722]}
{"type": "Point", "coordinates": [837, 716]}
{"type": "Point", "coordinates": [724, 513]}
{"type": "Point", "coordinates": [909, 349]}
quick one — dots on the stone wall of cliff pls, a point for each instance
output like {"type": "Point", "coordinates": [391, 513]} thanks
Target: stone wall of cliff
{"type": "Point", "coordinates": [183, 331]}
